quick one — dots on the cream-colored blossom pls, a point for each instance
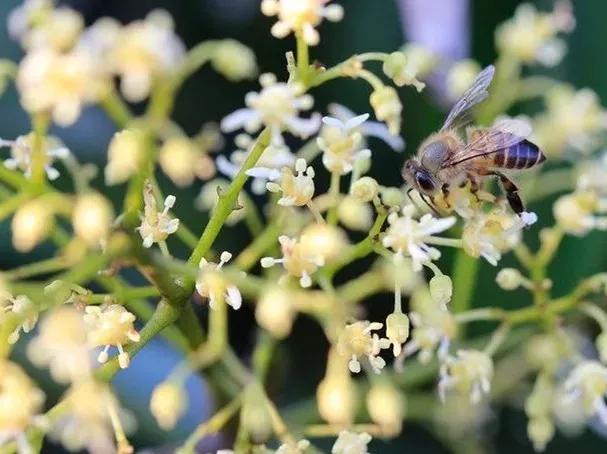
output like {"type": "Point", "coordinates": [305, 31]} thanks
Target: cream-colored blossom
{"type": "Point", "coordinates": [387, 107]}
{"type": "Point", "coordinates": [125, 156]}
{"type": "Point", "coordinates": [20, 402]}
{"type": "Point", "coordinates": [21, 154]}
{"type": "Point", "coordinates": [297, 189]}
{"type": "Point", "coordinates": [469, 372]}
{"type": "Point", "coordinates": [531, 36]}
{"type": "Point", "coordinates": [60, 84]}
{"type": "Point", "coordinates": [386, 406]}
{"type": "Point", "coordinates": [110, 325]}
{"type": "Point", "coordinates": [61, 345]}
{"type": "Point", "coordinates": [143, 52]}
{"type": "Point", "coordinates": [85, 423]}
{"type": "Point", "coordinates": [397, 330]}
{"type": "Point", "coordinates": [301, 17]}
{"type": "Point", "coordinates": [36, 23]}
{"type": "Point", "coordinates": [25, 311]}
{"type": "Point", "coordinates": [580, 212]}
{"type": "Point", "coordinates": [167, 404]}
{"type": "Point", "coordinates": [342, 143]}
{"type": "Point", "coordinates": [92, 218]}
{"type": "Point", "coordinates": [156, 226]}
{"type": "Point", "coordinates": [351, 443]}
{"type": "Point", "coordinates": [183, 162]}
{"type": "Point", "coordinates": [336, 393]}
{"type": "Point", "coordinates": [276, 106]}
{"type": "Point", "coordinates": [275, 311]}
{"type": "Point", "coordinates": [212, 284]}
{"type": "Point", "coordinates": [406, 235]}
{"type": "Point", "coordinates": [32, 223]}
{"type": "Point", "coordinates": [491, 234]}
{"type": "Point", "coordinates": [573, 120]}
{"type": "Point", "coordinates": [586, 386]}
{"type": "Point", "coordinates": [322, 240]}
{"type": "Point", "coordinates": [296, 260]}
{"type": "Point", "coordinates": [460, 77]}
{"type": "Point", "coordinates": [403, 70]}
{"type": "Point", "coordinates": [294, 448]}
{"type": "Point", "coordinates": [354, 214]}
{"type": "Point", "coordinates": [234, 60]}
{"type": "Point", "coordinates": [358, 340]}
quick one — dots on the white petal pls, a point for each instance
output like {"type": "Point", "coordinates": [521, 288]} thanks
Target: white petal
{"type": "Point", "coordinates": [226, 166]}
{"type": "Point", "coordinates": [356, 121]}
{"type": "Point", "coordinates": [334, 122]}
{"type": "Point", "coordinates": [265, 173]}
{"type": "Point", "coordinates": [237, 119]}
{"type": "Point", "coordinates": [379, 130]}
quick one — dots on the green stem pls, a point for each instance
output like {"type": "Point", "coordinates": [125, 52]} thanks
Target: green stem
{"type": "Point", "coordinates": [227, 200]}
{"type": "Point", "coordinates": [116, 109]}
{"type": "Point", "coordinates": [40, 127]}
{"type": "Point", "coordinates": [465, 270]}
{"type": "Point", "coordinates": [334, 198]}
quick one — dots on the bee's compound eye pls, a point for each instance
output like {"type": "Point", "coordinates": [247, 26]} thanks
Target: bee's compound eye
{"type": "Point", "coordinates": [424, 182]}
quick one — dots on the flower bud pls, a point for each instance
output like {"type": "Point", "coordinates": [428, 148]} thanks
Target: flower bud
{"type": "Point", "coordinates": [323, 240]}
{"type": "Point", "coordinates": [387, 107]}
{"type": "Point", "coordinates": [397, 330]}
{"type": "Point", "coordinates": [274, 311]}
{"type": "Point", "coordinates": [167, 404]}
{"type": "Point", "coordinates": [364, 189]}
{"type": "Point", "coordinates": [335, 398]}
{"type": "Point", "coordinates": [398, 68]}
{"type": "Point", "coordinates": [177, 158]}
{"type": "Point", "coordinates": [509, 278]}
{"type": "Point", "coordinates": [387, 407]}
{"type": "Point", "coordinates": [125, 156]}
{"type": "Point", "coordinates": [540, 431]}
{"type": "Point", "coordinates": [92, 218]}
{"type": "Point", "coordinates": [31, 224]}
{"type": "Point", "coordinates": [460, 77]}
{"type": "Point", "coordinates": [441, 289]}
{"type": "Point", "coordinates": [234, 60]}
{"type": "Point", "coordinates": [392, 197]}
{"type": "Point", "coordinates": [354, 214]}
{"type": "Point", "coordinates": [255, 416]}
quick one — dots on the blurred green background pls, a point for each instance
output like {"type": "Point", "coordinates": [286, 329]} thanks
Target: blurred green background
{"type": "Point", "coordinates": [368, 25]}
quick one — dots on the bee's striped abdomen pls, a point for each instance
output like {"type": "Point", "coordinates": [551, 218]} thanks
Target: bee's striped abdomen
{"type": "Point", "coordinates": [519, 156]}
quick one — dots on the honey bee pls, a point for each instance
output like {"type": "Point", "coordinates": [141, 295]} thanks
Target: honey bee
{"type": "Point", "coordinates": [445, 159]}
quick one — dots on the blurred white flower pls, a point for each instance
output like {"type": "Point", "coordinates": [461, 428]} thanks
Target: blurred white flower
{"type": "Point", "coordinates": [296, 189]}
{"type": "Point", "coordinates": [358, 340]}
{"type": "Point", "coordinates": [25, 311]}
{"type": "Point", "coordinates": [351, 443]}
{"type": "Point", "coordinates": [586, 386]}
{"type": "Point", "coordinates": [406, 235]}
{"type": "Point", "coordinates": [300, 17]}
{"type": "Point", "coordinates": [469, 372]}
{"type": "Point", "coordinates": [297, 260]}
{"type": "Point", "coordinates": [156, 226]}
{"type": "Point", "coordinates": [21, 154]}
{"type": "Point", "coordinates": [341, 143]}
{"type": "Point", "coordinates": [276, 106]}
{"type": "Point", "coordinates": [212, 284]}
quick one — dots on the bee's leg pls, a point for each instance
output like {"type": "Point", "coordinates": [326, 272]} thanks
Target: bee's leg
{"type": "Point", "coordinates": [445, 190]}
{"type": "Point", "coordinates": [474, 186]}
{"type": "Point", "coordinates": [511, 193]}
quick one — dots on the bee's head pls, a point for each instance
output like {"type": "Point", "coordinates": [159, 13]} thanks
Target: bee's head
{"type": "Point", "coordinates": [418, 177]}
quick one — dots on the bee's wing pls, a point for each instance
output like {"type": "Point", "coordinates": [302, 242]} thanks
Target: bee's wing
{"type": "Point", "coordinates": [503, 134]}
{"type": "Point", "coordinates": [476, 94]}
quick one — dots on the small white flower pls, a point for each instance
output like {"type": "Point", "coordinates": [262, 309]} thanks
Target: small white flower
{"type": "Point", "coordinates": [297, 189]}
{"type": "Point", "coordinates": [406, 235]}
{"type": "Point", "coordinates": [23, 308]}
{"type": "Point", "coordinates": [156, 226]}
{"type": "Point", "coordinates": [341, 143]}
{"type": "Point", "coordinates": [470, 372]}
{"type": "Point", "coordinates": [21, 154]}
{"type": "Point", "coordinates": [587, 385]}
{"type": "Point", "coordinates": [296, 259]}
{"type": "Point", "coordinates": [293, 448]}
{"type": "Point", "coordinates": [491, 234]}
{"type": "Point", "coordinates": [274, 158]}
{"type": "Point", "coordinates": [212, 284]}
{"type": "Point", "coordinates": [276, 106]}
{"type": "Point", "coordinates": [351, 443]}
{"type": "Point", "coordinates": [111, 325]}
{"type": "Point", "coordinates": [357, 340]}
{"type": "Point", "coordinates": [300, 16]}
